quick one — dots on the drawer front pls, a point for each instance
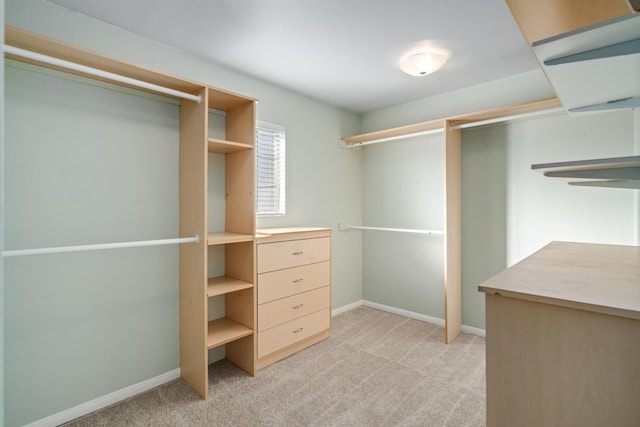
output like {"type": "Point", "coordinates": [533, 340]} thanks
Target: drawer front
{"type": "Point", "coordinates": [286, 309]}
{"type": "Point", "coordinates": [292, 253]}
{"type": "Point", "coordinates": [284, 283]}
{"type": "Point", "coordinates": [291, 332]}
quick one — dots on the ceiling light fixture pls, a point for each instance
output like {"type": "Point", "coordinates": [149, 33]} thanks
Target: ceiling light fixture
{"type": "Point", "coordinates": [422, 63]}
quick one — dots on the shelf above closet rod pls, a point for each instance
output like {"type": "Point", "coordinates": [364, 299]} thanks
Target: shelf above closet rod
{"type": "Point", "coordinates": [395, 230]}
{"type": "Point", "coordinates": [463, 121]}
{"type": "Point", "coordinates": [99, 246]}
{"type": "Point", "coordinates": [95, 72]}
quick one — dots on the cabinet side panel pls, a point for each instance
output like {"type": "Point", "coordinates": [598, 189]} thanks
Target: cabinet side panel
{"type": "Point", "coordinates": [545, 18]}
{"type": "Point", "coordinates": [240, 123]}
{"type": "Point", "coordinates": [551, 365]}
{"type": "Point", "coordinates": [453, 234]}
{"type": "Point", "coordinates": [240, 192]}
{"type": "Point", "coordinates": [193, 275]}
{"type": "Point", "coordinates": [239, 261]}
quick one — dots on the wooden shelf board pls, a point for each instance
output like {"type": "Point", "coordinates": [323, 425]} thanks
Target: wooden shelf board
{"type": "Point", "coordinates": [389, 133]}
{"type": "Point", "coordinates": [224, 100]}
{"type": "Point", "coordinates": [223, 331]}
{"type": "Point", "coordinates": [23, 39]}
{"type": "Point", "coordinates": [221, 146]}
{"type": "Point", "coordinates": [494, 113]}
{"type": "Point", "coordinates": [224, 285]}
{"type": "Point", "coordinates": [222, 238]}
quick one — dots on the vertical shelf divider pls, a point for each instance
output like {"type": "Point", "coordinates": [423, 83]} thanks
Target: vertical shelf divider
{"type": "Point", "coordinates": [193, 258]}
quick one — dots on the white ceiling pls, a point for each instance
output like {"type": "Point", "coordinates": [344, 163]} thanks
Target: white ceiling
{"type": "Point", "coordinates": [342, 52]}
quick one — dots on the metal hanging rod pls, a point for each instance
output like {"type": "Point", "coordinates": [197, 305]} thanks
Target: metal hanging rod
{"type": "Point", "coordinates": [461, 126]}
{"type": "Point", "coordinates": [392, 138]}
{"type": "Point", "coordinates": [397, 230]}
{"type": "Point", "coordinates": [98, 73]}
{"type": "Point", "coordinates": [101, 246]}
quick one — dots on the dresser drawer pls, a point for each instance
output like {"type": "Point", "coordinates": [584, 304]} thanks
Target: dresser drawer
{"type": "Point", "coordinates": [283, 310]}
{"type": "Point", "coordinates": [291, 332]}
{"type": "Point", "coordinates": [284, 283]}
{"type": "Point", "coordinates": [292, 253]}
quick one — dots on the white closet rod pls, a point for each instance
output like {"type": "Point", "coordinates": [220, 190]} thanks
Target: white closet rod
{"type": "Point", "coordinates": [398, 230]}
{"type": "Point", "coordinates": [98, 73]}
{"type": "Point", "coordinates": [96, 247]}
{"type": "Point", "coordinates": [462, 126]}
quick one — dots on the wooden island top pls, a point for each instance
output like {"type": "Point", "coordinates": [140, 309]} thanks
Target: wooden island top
{"type": "Point", "coordinates": [594, 277]}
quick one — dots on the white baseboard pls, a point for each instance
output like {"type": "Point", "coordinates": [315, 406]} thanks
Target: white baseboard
{"type": "Point", "coordinates": [406, 313]}
{"type": "Point", "coordinates": [125, 393]}
{"type": "Point", "coordinates": [346, 308]}
{"type": "Point", "coordinates": [106, 400]}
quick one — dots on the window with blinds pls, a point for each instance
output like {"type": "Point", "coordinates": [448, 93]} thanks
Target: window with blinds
{"type": "Point", "coordinates": [270, 159]}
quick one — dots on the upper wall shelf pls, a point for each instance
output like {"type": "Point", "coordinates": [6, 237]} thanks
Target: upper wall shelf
{"type": "Point", "coordinates": [510, 112]}
{"type": "Point", "coordinates": [617, 172]}
{"type": "Point", "coordinates": [596, 67]}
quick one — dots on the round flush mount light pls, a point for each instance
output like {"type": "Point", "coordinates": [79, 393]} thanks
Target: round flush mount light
{"type": "Point", "coordinates": [422, 63]}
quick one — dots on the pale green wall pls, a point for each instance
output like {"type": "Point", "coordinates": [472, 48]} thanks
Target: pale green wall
{"type": "Point", "coordinates": [80, 326]}
{"type": "Point", "coordinates": [88, 165]}
{"type": "Point", "coordinates": [2, 122]}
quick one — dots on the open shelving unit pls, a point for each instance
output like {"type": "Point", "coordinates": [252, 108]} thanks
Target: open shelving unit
{"type": "Point", "coordinates": [198, 333]}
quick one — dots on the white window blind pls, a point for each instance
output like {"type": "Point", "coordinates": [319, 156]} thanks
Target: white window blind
{"type": "Point", "coordinates": [270, 159]}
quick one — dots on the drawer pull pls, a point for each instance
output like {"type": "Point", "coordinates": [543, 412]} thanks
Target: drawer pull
{"type": "Point", "coordinates": [297, 253]}
{"type": "Point", "coordinates": [298, 280]}
{"type": "Point", "coordinates": [295, 307]}
{"type": "Point", "coordinates": [295, 331]}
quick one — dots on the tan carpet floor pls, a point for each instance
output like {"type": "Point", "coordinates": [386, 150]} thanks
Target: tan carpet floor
{"type": "Point", "coordinates": [375, 369]}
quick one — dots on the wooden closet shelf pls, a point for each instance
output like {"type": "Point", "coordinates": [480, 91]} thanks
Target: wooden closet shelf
{"type": "Point", "coordinates": [223, 331]}
{"type": "Point", "coordinates": [224, 285]}
{"type": "Point", "coordinates": [221, 146]}
{"type": "Point", "coordinates": [222, 238]}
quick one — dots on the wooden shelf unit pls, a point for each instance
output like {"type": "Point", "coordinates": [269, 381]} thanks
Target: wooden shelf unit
{"type": "Point", "coordinates": [223, 238]}
{"type": "Point", "coordinates": [223, 331]}
{"type": "Point", "coordinates": [224, 147]}
{"type": "Point", "coordinates": [224, 284]}
{"type": "Point", "coordinates": [197, 333]}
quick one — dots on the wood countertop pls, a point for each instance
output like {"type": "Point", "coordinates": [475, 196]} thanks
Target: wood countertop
{"type": "Point", "coordinates": [594, 277]}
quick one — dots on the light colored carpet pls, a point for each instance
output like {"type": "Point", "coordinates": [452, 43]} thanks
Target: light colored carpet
{"type": "Point", "coordinates": [375, 369]}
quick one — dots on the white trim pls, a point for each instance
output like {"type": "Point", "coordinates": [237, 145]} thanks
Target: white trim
{"type": "Point", "coordinates": [106, 400]}
{"type": "Point", "coordinates": [346, 308]}
{"type": "Point", "coordinates": [406, 313]}
{"type": "Point", "coordinates": [474, 331]}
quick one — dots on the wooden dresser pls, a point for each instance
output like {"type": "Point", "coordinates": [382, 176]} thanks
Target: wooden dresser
{"type": "Point", "coordinates": [563, 338]}
{"type": "Point", "coordinates": [294, 290]}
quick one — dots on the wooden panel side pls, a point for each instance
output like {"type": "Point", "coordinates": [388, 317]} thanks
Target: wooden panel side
{"type": "Point", "coordinates": [240, 192]}
{"type": "Point", "coordinates": [546, 18]}
{"type": "Point", "coordinates": [549, 365]}
{"type": "Point", "coordinates": [453, 233]}
{"type": "Point", "coordinates": [193, 265]}
{"type": "Point", "coordinates": [240, 123]}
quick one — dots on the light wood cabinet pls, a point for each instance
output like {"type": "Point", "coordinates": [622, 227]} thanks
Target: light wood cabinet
{"type": "Point", "coordinates": [294, 290]}
{"type": "Point", "coordinates": [198, 332]}
{"type": "Point", "coordinates": [563, 338]}
{"type": "Point", "coordinates": [542, 19]}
